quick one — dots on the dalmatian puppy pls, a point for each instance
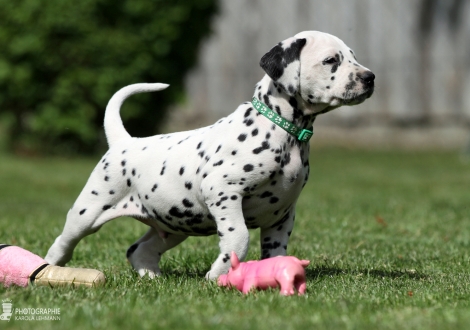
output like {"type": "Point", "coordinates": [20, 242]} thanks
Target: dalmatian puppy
{"type": "Point", "coordinates": [241, 173]}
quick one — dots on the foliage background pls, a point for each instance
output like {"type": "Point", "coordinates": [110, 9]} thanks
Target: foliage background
{"type": "Point", "coordinates": [61, 61]}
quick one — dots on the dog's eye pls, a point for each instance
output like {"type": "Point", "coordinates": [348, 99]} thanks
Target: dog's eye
{"type": "Point", "coordinates": [329, 60]}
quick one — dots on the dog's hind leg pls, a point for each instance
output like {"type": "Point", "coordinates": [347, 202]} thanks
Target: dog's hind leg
{"type": "Point", "coordinates": [93, 208]}
{"type": "Point", "coordinates": [145, 254]}
{"type": "Point", "coordinates": [74, 230]}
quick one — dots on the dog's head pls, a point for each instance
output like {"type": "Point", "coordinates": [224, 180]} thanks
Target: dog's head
{"type": "Point", "coordinates": [320, 69]}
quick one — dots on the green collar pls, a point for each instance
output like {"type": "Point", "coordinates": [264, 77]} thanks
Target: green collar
{"type": "Point", "coordinates": [302, 135]}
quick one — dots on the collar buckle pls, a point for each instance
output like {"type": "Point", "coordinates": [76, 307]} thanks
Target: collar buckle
{"type": "Point", "coordinates": [305, 135]}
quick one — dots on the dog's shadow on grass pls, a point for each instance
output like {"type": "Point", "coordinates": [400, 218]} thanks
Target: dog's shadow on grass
{"type": "Point", "coordinates": [319, 273]}
{"type": "Point", "coordinates": [316, 274]}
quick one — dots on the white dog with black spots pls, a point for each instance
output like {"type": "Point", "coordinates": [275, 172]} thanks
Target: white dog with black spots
{"type": "Point", "coordinates": [243, 172]}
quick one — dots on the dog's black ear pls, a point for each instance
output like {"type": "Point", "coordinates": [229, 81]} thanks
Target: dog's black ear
{"type": "Point", "coordinates": [282, 64]}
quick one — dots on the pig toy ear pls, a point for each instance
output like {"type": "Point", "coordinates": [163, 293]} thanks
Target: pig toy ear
{"type": "Point", "coordinates": [234, 261]}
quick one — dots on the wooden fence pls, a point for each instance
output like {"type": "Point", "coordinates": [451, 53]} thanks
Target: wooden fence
{"type": "Point", "coordinates": [418, 49]}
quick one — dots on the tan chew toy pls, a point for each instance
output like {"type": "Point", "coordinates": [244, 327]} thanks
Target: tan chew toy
{"type": "Point", "coordinates": [21, 267]}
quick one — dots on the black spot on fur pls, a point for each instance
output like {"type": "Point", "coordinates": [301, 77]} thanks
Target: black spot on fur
{"type": "Point", "coordinates": [264, 146]}
{"type": "Point", "coordinates": [187, 203]}
{"type": "Point", "coordinates": [106, 178]}
{"type": "Point", "coordinates": [350, 86]}
{"type": "Point", "coordinates": [176, 212]}
{"type": "Point", "coordinates": [131, 249]}
{"type": "Point", "coordinates": [129, 183]}
{"type": "Point", "coordinates": [182, 170]}
{"type": "Point", "coordinates": [111, 192]}
{"type": "Point", "coordinates": [144, 210]}
{"type": "Point", "coordinates": [248, 122]}
{"type": "Point", "coordinates": [266, 194]}
{"type": "Point", "coordinates": [188, 185]}
{"type": "Point", "coordinates": [277, 59]}
{"type": "Point", "coordinates": [82, 211]}
{"type": "Point", "coordinates": [242, 137]}
{"type": "Point", "coordinates": [94, 193]}
{"type": "Point", "coordinates": [273, 200]}
{"type": "Point", "coordinates": [220, 162]}
{"type": "Point", "coordinates": [248, 111]}
{"type": "Point", "coordinates": [334, 68]}
{"type": "Point", "coordinates": [106, 207]}
{"type": "Point", "coordinates": [248, 168]}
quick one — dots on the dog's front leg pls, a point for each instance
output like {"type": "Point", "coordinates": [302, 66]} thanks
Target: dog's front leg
{"type": "Point", "coordinates": [274, 238]}
{"type": "Point", "coordinates": [233, 234]}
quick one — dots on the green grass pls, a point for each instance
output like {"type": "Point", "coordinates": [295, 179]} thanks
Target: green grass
{"type": "Point", "coordinates": [388, 234]}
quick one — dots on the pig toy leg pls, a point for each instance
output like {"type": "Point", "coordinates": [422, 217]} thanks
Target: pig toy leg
{"type": "Point", "coordinates": [295, 280]}
{"type": "Point", "coordinates": [301, 287]}
{"type": "Point", "coordinates": [287, 287]}
{"type": "Point", "coordinates": [248, 285]}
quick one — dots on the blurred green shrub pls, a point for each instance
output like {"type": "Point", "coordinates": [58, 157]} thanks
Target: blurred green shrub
{"type": "Point", "coordinates": [61, 61]}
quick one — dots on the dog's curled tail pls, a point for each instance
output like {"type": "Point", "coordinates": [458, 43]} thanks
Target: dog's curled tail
{"type": "Point", "coordinates": [113, 126]}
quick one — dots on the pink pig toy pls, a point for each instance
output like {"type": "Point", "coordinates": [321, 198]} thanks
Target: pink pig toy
{"type": "Point", "coordinates": [286, 272]}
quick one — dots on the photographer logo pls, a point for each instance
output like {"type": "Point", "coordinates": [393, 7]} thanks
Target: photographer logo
{"type": "Point", "coordinates": [28, 314]}
{"type": "Point", "coordinates": [6, 308]}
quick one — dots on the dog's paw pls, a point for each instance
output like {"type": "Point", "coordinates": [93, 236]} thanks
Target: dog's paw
{"type": "Point", "coordinates": [150, 273]}
{"type": "Point", "coordinates": [212, 275]}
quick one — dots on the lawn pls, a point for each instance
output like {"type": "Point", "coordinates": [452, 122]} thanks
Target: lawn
{"type": "Point", "coordinates": [387, 233]}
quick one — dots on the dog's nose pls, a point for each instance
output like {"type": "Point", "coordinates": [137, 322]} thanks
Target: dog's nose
{"type": "Point", "coordinates": [368, 78]}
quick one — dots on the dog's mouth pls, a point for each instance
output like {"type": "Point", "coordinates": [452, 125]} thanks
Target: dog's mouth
{"type": "Point", "coordinates": [348, 99]}
{"type": "Point", "coordinates": [356, 98]}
